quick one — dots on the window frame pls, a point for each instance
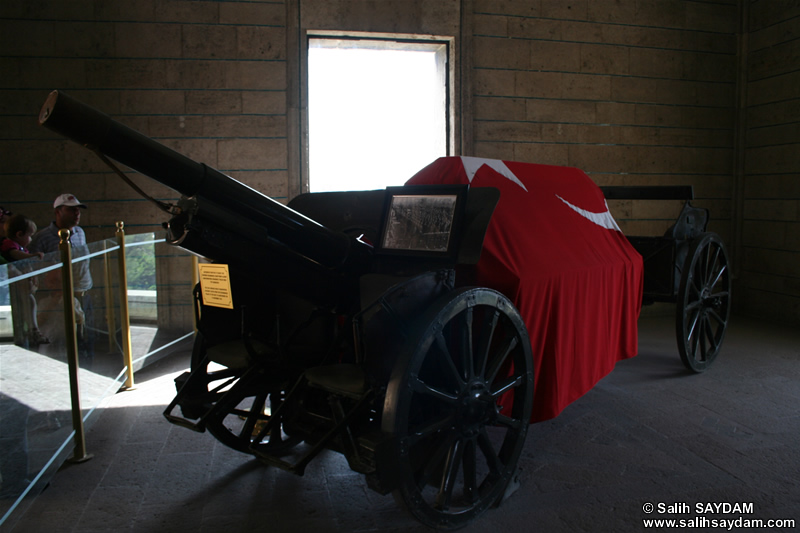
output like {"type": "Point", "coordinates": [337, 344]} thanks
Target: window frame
{"type": "Point", "coordinates": [446, 60]}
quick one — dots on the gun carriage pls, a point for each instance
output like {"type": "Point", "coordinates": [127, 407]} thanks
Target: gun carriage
{"type": "Point", "coordinates": [350, 331]}
{"type": "Point", "coordinates": [687, 266]}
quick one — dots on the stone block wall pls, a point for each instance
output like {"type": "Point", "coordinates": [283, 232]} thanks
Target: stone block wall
{"type": "Point", "coordinates": [205, 78]}
{"type": "Point", "coordinates": [633, 92]}
{"type": "Point", "coordinates": [770, 237]}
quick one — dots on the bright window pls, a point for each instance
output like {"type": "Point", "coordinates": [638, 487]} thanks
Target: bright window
{"type": "Point", "coordinates": [377, 111]}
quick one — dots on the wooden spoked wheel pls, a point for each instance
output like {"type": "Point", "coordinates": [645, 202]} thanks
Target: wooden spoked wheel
{"type": "Point", "coordinates": [458, 406]}
{"type": "Point", "coordinates": [239, 399]}
{"type": "Point", "coordinates": [239, 418]}
{"type": "Point", "coordinates": [704, 302]}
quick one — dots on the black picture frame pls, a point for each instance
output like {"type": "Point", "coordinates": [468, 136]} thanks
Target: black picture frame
{"type": "Point", "coordinates": [423, 220]}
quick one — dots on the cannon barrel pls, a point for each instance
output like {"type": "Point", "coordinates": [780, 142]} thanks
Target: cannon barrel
{"type": "Point", "coordinates": [219, 217]}
{"type": "Point", "coordinates": [233, 205]}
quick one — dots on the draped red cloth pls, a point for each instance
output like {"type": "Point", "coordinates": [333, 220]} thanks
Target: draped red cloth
{"type": "Point", "coordinates": [553, 248]}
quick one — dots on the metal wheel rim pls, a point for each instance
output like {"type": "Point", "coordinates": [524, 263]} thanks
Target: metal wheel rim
{"type": "Point", "coordinates": [703, 310]}
{"type": "Point", "coordinates": [456, 453]}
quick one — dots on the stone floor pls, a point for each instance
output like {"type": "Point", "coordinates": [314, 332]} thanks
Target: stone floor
{"type": "Point", "coordinates": [35, 404]}
{"type": "Point", "coordinates": [649, 433]}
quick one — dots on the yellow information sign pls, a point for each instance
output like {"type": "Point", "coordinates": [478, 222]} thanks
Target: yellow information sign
{"type": "Point", "coordinates": [215, 282]}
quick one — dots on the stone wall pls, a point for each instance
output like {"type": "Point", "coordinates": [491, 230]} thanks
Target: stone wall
{"type": "Point", "coordinates": [207, 79]}
{"type": "Point", "coordinates": [770, 244]}
{"type": "Point", "coordinates": [632, 92]}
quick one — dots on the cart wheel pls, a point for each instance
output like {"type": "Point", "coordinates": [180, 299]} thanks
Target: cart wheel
{"type": "Point", "coordinates": [703, 306]}
{"type": "Point", "coordinates": [459, 404]}
{"type": "Point", "coordinates": [240, 416]}
{"type": "Point", "coordinates": [242, 398]}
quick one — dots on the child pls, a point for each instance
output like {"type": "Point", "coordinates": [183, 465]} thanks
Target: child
{"type": "Point", "coordinates": [19, 230]}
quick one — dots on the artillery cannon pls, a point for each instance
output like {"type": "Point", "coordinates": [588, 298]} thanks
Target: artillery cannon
{"type": "Point", "coordinates": [351, 336]}
{"type": "Point", "coordinates": [369, 323]}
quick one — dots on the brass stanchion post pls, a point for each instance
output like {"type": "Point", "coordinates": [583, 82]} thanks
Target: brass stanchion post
{"type": "Point", "coordinates": [71, 338]}
{"type": "Point", "coordinates": [124, 316]}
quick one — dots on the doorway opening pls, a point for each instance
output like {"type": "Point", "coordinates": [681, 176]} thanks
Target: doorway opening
{"type": "Point", "coordinates": [378, 111]}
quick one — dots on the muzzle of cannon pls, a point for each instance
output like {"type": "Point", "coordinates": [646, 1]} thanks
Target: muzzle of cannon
{"type": "Point", "coordinates": [219, 217]}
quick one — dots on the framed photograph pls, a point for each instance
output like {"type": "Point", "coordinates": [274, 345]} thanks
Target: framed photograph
{"type": "Point", "coordinates": [422, 220]}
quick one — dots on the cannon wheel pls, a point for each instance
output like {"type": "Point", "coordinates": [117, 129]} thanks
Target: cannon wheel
{"type": "Point", "coordinates": [243, 401]}
{"type": "Point", "coordinates": [458, 406]}
{"type": "Point", "coordinates": [703, 308]}
{"type": "Point", "coordinates": [239, 418]}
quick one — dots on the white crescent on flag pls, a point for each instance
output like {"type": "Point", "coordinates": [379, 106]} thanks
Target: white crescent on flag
{"type": "Point", "coordinates": [604, 219]}
{"type": "Point", "coordinates": [472, 164]}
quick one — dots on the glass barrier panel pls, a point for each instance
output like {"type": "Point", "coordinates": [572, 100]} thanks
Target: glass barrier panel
{"type": "Point", "coordinates": [35, 403]}
{"type": "Point", "coordinates": [161, 311]}
{"type": "Point", "coordinates": [140, 259]}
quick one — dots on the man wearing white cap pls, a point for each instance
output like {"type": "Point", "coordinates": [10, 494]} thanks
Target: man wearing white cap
{"type": "Point", "coordinates": [67, 216]}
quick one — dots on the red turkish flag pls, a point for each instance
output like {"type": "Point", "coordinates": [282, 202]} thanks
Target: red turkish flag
{"type": "Point", "coordinates": [553, 248]}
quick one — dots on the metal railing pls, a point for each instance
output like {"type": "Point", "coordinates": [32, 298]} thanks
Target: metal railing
{"type": "Point", "coordinates": [60, 357]}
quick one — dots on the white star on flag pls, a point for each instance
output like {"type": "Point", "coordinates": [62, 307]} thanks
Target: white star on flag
{"type": "Point", "coordinates": [472, 164]}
